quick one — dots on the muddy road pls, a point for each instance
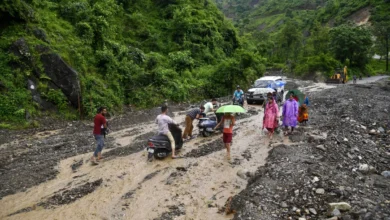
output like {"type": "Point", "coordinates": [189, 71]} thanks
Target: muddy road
{"type": "Point", "coordinates": [46, 173]}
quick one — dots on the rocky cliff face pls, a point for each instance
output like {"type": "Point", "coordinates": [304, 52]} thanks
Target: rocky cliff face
{"type": "Point", "coordinates": [57, 72]}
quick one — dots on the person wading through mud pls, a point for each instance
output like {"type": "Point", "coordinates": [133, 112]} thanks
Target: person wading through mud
{"type": "Point", "coordinates": [99, 131]}
{"type": "Point", "coordinates": [190, 117]}
{"type": "Point", "coordinates": [303, 111]}
{"type": "Point", "coordinates": [265, 102]}
{"type": "Point", "coordinates": [290, 114]}
{"type": "Point", "coordinates": [271, 115]}
{"type": "Point", "coordinates": [228, 122]}
{"type": "Point", "coordinates": [163, 120]}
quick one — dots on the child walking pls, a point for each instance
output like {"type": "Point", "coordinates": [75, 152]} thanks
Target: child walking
{"type": "Point", "coordinates": [228, 122]}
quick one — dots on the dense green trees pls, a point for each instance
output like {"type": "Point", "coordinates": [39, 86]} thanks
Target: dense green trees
{"type": "Point", "coordinates": [352, 43]}
{"type": "Point", "coordinates": [137, 52]}
{"type": "Point", "coordinates": [303, 35]}
{"type": "Point", "coordinates": [381, 30]}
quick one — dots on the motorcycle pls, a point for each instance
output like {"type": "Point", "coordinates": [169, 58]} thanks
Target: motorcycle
{"type": "Point", "coordinates": [238, 101]}
{"type": "Point", "coordinates": [159, 145]}
{"type": "Point", "coordinates": [206, 125]}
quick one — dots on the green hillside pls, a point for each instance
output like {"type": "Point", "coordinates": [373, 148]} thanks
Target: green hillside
{"type": "Point", "coordinates": [138, 52]}
{"type": "Point", "coordinates": [305, 36]}
{"type": "Point", "coordinates": [270, 15]}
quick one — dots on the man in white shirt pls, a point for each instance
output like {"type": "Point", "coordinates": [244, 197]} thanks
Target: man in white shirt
{"type": "Point", "coordinates": [209, 106]}
{"type": "Point", "coordinates": [163, 120]}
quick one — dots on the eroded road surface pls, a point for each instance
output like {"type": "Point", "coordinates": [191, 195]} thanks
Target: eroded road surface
{"type": "Point", "coordinates": [46, 174]}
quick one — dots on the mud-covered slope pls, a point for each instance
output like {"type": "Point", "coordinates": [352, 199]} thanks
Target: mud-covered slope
{"type": "Point", "coordinates": [340, 156]}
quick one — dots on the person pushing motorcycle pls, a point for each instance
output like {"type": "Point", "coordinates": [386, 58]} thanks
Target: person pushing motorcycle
{"type": "Point", "coordinates": [163, 120]}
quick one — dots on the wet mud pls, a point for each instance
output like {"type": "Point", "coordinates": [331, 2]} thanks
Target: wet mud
{"type": "Point", "coordinates": [174, 211]}
{"type": "Point", "coordinates": [138, 145]}
{"type": "Point", "coordinates": [77, 165]}
{"type": "Point", "coordinates": [70, 195]}
{"type": "Point", "coordinates": [65, 196]}
{"type": "Point", "coordinates": [197, 185]}
{"type": "Point", "coordinates": [206, 149]}
{"type": "Point", "coordinates": [129, 194]}
{"type": "Point", "coordinates": [28, 209]}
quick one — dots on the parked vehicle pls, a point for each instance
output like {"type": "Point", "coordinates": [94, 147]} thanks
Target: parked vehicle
{"type": "Point", "coordinates": [258, 92]}
{"type": "Point", "coordinates": [338, 77]}
{"type": "Point", "coordinates": [159, 145]}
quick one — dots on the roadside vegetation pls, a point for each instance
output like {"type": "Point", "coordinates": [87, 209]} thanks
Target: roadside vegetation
{"type": "Point", "coordinates": [138, 52]}
{"type": "Point", "coordinates": [142, 52]}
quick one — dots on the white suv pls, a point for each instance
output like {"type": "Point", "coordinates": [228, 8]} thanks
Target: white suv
{"type": "Point", "coordinates": [258, 92]}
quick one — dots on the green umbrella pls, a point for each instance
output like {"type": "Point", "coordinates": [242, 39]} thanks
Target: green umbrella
{"type": "Point", "coordinates": [231, 109]}
{"type": "Point", "coordinates": [298, 93]}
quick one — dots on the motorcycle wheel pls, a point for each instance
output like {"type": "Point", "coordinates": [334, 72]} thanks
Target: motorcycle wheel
{"type": "Point", "coordinates": [160, 154]}
{"type": "Point", "coordinates": [206, 134]}
{"type": "Point", "coordinates": [150, 156]}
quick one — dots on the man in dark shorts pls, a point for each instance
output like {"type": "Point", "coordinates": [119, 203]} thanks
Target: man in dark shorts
{"type": "Point", "coordinates": [228, 122]}
{"type": "Point", "coordinates": [190, 117]}
{"type": "Point", "coordinates": [99, 129]}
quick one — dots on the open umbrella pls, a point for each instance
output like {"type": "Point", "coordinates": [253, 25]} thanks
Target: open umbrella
{"type": "Point", "coordinates": [231, 109]}
{"type": "Point", "coordinates": [298, 93]}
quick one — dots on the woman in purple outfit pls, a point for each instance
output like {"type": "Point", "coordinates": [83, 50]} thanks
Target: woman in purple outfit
{"type": "Point", "coordinates": [290, 114]}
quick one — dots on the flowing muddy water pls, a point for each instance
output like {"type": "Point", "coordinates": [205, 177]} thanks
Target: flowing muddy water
{"type": "Point", "coordinates": [126, 186]}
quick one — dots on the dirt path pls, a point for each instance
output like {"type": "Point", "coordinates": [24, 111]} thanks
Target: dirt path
{"type": "Point", "coordinates": [366, 80]}
{"type": "Point", "coordinates": [125, 186]}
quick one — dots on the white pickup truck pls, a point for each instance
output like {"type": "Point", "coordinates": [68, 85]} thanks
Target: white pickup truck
{"type": "Point", "coordinates": [258, 92]}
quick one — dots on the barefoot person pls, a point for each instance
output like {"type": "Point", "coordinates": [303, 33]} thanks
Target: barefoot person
{"type": "Point", "coordinates": [290, 114]}
{"type": "Point", "coordinates": [99, 130]}
{"type": "Point", "coordinates": [163, 120]}
{"type": "Point", "coordinates": [228, 122]}
{"type": "Point", "coordinates": [271, 115]}
{"type": "Point", "coordinates": [190, 117]}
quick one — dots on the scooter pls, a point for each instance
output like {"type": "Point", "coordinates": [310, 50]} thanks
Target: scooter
{"type": "Point", "coordinates": [159, 145]}
{"type": "Point", "coordinates": [206, 125]}
{"type": "Point", "coordinates": [238, 101]}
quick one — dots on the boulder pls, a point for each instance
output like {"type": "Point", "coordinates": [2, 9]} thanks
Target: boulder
{"type": "Point", "coordinates": [40, 34]}
{"type": "Point", "coordinates": [20, 49]}
{"type": "Point", "coordinates": [320, 191]}
{"type": "Point", "coordinates": [386, 174]}
{"type": "Point", "coordinates": [343, 206]}
{"type": "Point", "coordinates": [242, 174]}
{"type": "Point", "coordinates": [321, 147]}
{"type": "Point", "coordinates": [62, 76]}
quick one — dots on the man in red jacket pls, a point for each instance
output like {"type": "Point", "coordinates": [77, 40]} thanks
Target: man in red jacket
{"type": "Point", "coordinates": [99, 129]}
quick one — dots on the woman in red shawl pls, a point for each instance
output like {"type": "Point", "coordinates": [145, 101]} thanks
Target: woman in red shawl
{"type": "Point", "coordinates": [271, 115]}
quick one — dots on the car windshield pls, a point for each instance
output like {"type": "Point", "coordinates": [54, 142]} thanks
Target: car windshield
{"type": "Point", "coordinates": [263, 83]}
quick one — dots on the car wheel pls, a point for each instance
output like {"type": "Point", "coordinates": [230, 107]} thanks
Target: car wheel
{"type": "Point", "coordinates": [250, 102]}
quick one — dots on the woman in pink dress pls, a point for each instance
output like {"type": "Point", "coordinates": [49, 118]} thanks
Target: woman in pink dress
{"type": "Point", "coordinates": [271, 115]}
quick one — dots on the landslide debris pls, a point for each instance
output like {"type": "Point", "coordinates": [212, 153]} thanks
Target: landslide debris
{"type": "Point", "coordinates": [336, 167]}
